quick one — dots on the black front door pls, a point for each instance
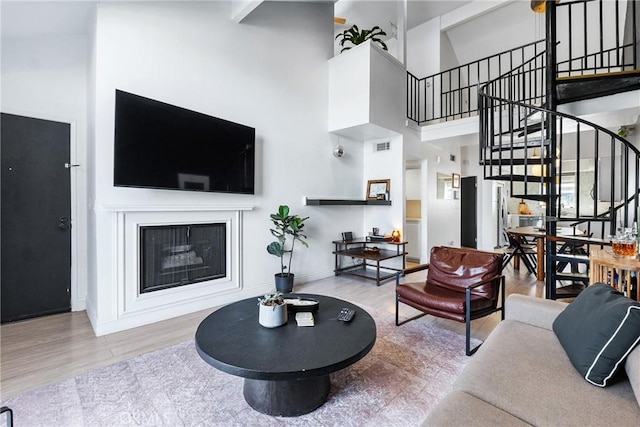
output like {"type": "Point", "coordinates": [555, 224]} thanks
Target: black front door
{"type": "Point", "coordinates": [36, 217]}
{"type": "Point", "coordinates": [468, 207]}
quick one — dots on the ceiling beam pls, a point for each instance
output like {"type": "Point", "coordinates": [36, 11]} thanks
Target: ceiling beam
{"type": "Point", "coordinates": [240, 9]}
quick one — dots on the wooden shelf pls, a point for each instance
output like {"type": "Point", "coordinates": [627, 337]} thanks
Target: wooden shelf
{"type": "Point", "coordinates": [346, 202]}
{"type": "Point", "coordinates": [356, 248]}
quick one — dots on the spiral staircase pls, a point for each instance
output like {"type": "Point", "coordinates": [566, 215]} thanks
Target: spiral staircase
{"type": "Point", "coordinates": [591, 52]}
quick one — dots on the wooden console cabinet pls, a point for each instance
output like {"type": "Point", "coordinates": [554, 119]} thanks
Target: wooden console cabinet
{"type": "Point", "coordinates": [615, 272]}
{"type": "Point", "coordinates": [369, 267]}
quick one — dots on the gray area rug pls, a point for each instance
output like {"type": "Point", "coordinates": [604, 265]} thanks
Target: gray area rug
{"type": "Point", "coordinates": [396, 384]}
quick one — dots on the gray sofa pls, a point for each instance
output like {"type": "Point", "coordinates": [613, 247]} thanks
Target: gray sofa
{"type": "Point", "coordinates": [522, 376]}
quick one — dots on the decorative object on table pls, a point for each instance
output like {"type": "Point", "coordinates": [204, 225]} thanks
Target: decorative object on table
{"type": "Point", "coordinates": [356, 36]}
{"type": "Point", "coordinates": [302, 305]}
{"type": "Point", "coordinates": [347, 235]}
{"type": "Point", "coordinates": [378, 238]}
{"type": "Point", "coordinates": [273, 310]}
{"type": "Point", "coordinates": [395, 236]}
{"type": "Point", "coordinates": [288, 229]}
{"type": "Point", "coordinates": [623, 244]}
{"type": "Point", "coordinates": [346, 314]}
{"type": "Point", "coordinates": [377, 186]}
{"type": "Point", "coordinates": [305, 319]}
{"type": "Point", "coordinates": [455, 180]}
{"type": "Point", "coordinates": [375, 231]}
{"type": "Point", "coordinates": [371, 250]}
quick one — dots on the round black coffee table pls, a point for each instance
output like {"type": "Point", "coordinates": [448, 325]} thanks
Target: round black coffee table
{"type": "Point", "coordinates": [285, 369]}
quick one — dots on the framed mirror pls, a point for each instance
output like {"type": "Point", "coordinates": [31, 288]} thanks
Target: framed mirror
{"type": "Point", "coordinates": [444, 189]}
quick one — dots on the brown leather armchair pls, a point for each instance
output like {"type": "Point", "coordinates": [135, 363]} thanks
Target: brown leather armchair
{"type": "Point", "coordinates": [462, 284]}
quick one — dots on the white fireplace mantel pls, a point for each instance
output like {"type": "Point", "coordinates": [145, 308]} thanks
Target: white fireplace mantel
{"type": "Point", "coordinates": [173, 208]}
{"type": "Point", "coordinates": [132, 308]}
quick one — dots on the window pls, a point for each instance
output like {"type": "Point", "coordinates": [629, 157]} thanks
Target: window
{"type": "Point", "coordinates": [568, 191]}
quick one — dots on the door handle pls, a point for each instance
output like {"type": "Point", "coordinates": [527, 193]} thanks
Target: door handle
{"type": "Point", "coordinates": [64, 223]}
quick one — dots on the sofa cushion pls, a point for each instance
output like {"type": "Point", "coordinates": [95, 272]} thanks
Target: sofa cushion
{"type": "Point", "coordinates": [534, 311]}
{"type": "Point", "coordinates": [598, 330]}
{"type": "Point", "coordinates": [523, 370]}
{"type": "Point", "coordinates": [458, 407]}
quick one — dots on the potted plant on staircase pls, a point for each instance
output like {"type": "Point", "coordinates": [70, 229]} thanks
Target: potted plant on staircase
{"type": "Point", "coordinates": [287, 229]}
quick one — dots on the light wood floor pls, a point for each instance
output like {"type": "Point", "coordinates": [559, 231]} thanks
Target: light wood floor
{"type": "Point", "coordinates": [49, 349]}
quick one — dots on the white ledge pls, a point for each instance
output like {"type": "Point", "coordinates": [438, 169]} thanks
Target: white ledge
{"type": "Point", "coordinates": [172, 208]}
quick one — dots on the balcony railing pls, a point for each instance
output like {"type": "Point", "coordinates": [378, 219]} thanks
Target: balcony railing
{"type": "Point", "coordinates": [453, 94]}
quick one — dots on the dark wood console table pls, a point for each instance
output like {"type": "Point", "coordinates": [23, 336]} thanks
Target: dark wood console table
{"type": "Point", "coordinates": [361, 248]}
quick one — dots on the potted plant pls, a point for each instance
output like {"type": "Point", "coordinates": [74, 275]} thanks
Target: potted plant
{"type": "Point", "coordinates": [287, 229]}
{"type": "Point", "coordinates": [273, 310]}
{"type": "Point", "coordinates": [355, 36]}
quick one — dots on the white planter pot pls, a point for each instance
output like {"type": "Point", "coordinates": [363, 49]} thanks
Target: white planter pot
{"type": "Point", "coordinates": [272, 317]}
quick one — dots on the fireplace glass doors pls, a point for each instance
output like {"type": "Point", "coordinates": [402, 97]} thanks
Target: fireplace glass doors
{"type": "Point", "coordinates": [178, 255]}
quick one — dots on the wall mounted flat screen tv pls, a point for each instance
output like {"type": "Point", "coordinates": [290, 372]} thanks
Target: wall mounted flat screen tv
{"type": "Point", "coordinates": [163, 146]}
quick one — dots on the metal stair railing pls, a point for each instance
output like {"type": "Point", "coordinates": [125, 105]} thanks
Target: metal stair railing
{"type": "Point", "coordinates": [511, 131]}
{"type": "Point", "coordinates": [593, 33]}
{"type": "Point", "coordinates": [586, 142]}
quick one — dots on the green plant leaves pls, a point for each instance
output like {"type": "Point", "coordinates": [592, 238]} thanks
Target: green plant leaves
{"type": "Point", "coordinates": [275, 248]}
{"type": "Point", "coordinates": [283, 211]}
{"type": "Point", "coordinates": [286, 225]}
{"type": "Point", "coordinates": [354, 36]}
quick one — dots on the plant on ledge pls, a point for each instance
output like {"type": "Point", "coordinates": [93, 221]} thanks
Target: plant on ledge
{"type": "Point", "coordinates": [288, 229]}
{"type": "Point", "coordinates": [355, 36]}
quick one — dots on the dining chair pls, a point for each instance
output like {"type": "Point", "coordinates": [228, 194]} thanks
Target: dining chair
{"type": "Point", "coordinates": [520, 250]}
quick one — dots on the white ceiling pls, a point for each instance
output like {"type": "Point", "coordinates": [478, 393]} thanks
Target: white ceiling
{"type": "Point", "coordinates": [470, 41]}
{"type": "Point", "coordinates": [26, 19]}
{"type": "Point", "coordinates": [368, 13]}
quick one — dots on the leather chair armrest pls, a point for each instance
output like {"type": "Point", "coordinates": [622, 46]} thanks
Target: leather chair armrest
{"type": "Point", "coordinates": [405, 271]}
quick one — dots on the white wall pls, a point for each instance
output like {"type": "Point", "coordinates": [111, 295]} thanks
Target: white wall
{"type": "Point", "coordinates": [443, 216]}
{"type": "Point", "coordinates": [423, 49]}
{"type": "Point", "coordinates": [269, 72]}
{"type": "Point", "coordinates": [47, 78]}
{"type": "Point", "coordinates": [385, 165]}
{"type": "Point", "coordinates": [511, 25]}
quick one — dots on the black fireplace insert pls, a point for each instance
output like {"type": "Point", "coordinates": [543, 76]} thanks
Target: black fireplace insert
{"type": "Point", "coordinates": [179, 255]}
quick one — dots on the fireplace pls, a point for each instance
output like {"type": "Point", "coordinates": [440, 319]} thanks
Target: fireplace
{"type": "Point", "coordinates": [168, 261]}
{"type": "Point", "coordinates": [180, 255]}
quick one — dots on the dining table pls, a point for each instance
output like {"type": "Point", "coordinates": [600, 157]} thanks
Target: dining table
{"type": "Point", "coordinates": [539, 234]}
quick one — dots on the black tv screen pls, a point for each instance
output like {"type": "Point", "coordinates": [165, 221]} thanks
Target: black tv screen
{"type": "Point", "coordinates": [158, 145]}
